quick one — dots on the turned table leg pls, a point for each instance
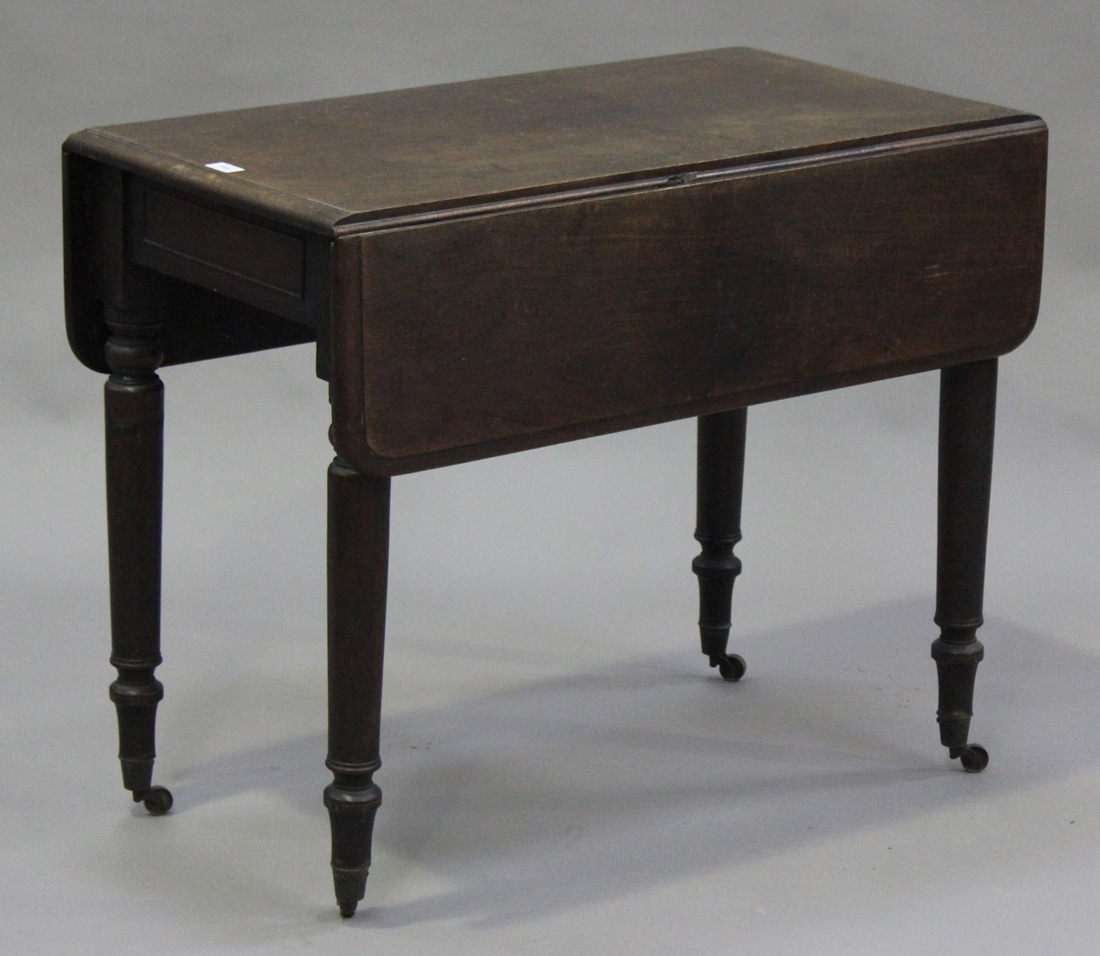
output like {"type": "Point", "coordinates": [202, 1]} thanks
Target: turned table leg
{"type": "Point", "coordinates": [720, 475]}
{"type": "Point", "coordinates": [134, 412]}
{"type": "Point", "coordinates": [358, 557]}
{"type": "Point", "coordinates": [968, 396]}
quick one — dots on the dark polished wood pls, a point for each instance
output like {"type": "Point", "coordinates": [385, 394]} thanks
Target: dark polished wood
{"type": "Point", "coordinates": [503, 264]}
{"type": "Point", "coordinates": [720, 475]}
{"type": "Point", "coordinates": [968, 401]}
{"type": "Point", "coordinates": [134, 433]}
{"type": "Point", "coordinates": [134, 407]}
{"type": "Point", "coordinates": [575, 267]}
{"type": "Point", "coordinates": [576, 317]}
{"type": "Point", "coordinates": [358, 557]}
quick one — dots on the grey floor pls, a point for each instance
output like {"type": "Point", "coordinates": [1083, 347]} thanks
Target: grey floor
{"type": "Point", "coordinates": [562, 771]}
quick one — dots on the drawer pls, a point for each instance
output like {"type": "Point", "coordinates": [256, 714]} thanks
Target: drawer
{"type": "Point", "coordinates": [243, 260]}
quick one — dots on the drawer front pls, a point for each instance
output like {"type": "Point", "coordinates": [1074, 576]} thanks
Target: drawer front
{"type": "Point", "coordinates": [236, 258]}
{"type": "Point", "coordinates": [532, 326]}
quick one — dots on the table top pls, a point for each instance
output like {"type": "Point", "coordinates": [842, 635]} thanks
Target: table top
{"type": "Point", "coordinates": [353, 163]}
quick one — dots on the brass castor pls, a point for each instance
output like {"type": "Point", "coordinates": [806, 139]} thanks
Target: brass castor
{"type": "Point", "coordinates": [732, 667]}
{"type": "Point", "coordinates": [157, 800]}
{"type": "Point", "coordinates": [974, 758]}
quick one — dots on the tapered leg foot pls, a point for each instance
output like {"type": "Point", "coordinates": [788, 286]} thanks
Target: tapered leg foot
{"type": "Point", "coordinates": [351, 816]}
{"type": "Point", "coordinates": [136, 696]}
{"type": "Point", "coordinates": [967, 411]}
{"type": "Point", "coordinates": [720, 475]}
{"type": "Point", "coordinates": [957, 666]}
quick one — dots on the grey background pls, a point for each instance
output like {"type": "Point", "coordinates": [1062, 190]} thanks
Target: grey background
{"type": "Point", "coordinates": [562, 772]}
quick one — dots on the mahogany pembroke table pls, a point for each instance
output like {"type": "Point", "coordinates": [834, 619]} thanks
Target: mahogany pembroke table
{"type": "Point", "coordinates": [502, 264]}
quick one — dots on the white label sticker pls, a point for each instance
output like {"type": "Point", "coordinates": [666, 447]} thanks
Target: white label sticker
{"type": "Point", "coordinates": [225, 167]}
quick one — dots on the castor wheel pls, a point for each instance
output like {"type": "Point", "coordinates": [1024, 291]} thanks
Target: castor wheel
{"type": "Point", "coordinates": [732, 667]}
{"type": "Point", "coordinates": [157, 800]}
{"type": "Point", "coordinates": [974, 758]}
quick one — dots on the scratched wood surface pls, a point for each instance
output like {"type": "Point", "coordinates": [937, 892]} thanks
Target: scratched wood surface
{"type": "Point", "coordinates": [362, 158]}
{"type": "Point", "coordinates": [585, 317]}
{"type": "Point", "coordinates": [772, 284]}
